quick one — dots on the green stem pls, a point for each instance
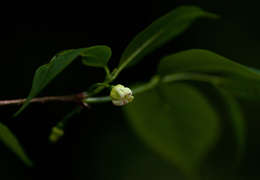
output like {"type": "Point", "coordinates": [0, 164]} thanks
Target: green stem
{"type": "Point", "coordinates": [146, 86]}
{"type": "Point", "coordinates": [96, 91]}
{"type": "Point", "coordinates": [156, 80]}
{"type": "Point", "coordinates": [102, 85]}
{"type": "Point", "coordinates": [91, 100]}
{"type": "Point", "coordinates": [64, 121]}
{"type": "Point", "coordinates": [107, 71]}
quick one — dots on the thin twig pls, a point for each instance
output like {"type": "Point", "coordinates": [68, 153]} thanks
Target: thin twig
{"type": "Point", "coordinates": [84, 100]}
{"type": "Point", "coordinates": [76, 98]}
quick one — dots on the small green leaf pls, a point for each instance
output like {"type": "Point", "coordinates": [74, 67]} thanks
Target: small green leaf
{"type": "Point", "coordinates": [176, 121]}
{"type": "Point", "coordinates": [232, 76]}
{"type": "Point", "coordinates": [96, 56]}
{"type": "Point", "coordinates": [46, 73]}
{"type": "Point", "coordinates": [161, 31]}
{"type": "Point", "coordinates": [7, 137]}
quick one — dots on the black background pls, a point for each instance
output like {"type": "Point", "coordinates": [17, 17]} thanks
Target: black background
{"type": "Point", "coordinates": [99, 144]}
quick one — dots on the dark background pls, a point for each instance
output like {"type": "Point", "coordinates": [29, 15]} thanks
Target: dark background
{"type": "Point", "coordinates": [99, 144]}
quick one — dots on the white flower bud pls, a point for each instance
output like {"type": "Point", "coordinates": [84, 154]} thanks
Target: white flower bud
{"type": "Point", "coordinates": [121, 95]}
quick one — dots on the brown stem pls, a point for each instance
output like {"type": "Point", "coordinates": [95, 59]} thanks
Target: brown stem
{"type": "Point", "coordinates": [76, 98]}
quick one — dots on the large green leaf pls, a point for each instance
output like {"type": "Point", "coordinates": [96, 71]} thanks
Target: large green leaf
{"type": "Point", "coordinates": [161, 31]}
{"type": "Point", "coordinates": [46, 73]}
{"type": "Point", "coordinates": [234, 77]}
{"type": "Point", "coordinates": [177, 121]}
{"type": "Point", "coordinates": [199, 60]}
{"type": "Point", "coordinates": [96, 56]}
{"type": "Point", "coordinates": [13, 144]}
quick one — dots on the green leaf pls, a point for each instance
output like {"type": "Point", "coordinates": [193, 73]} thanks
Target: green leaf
{"type": "Point", "coordinates": [241, 87]}
{"type": "Point", "coordinates": [161, 31]}
{"type": "Point", "coordinates": [237, 120]}
{"type": "Point", "coordinates": [255, 70]}
{"type": "Point", "coordinates": [204, 61]}
{"type": "Point", "coordinates": [96, 56]}
{"type": "Point", "coordinates": [177, 121]}
{"type": "Point", "coordinates": [46, 73]}
{"type": "Point", "coordinates": [239, 79]}
{"type": "Point", "coordinates": [13, 144]}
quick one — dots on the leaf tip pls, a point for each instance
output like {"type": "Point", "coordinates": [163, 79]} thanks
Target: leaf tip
{"type": "Point", "coordinates": [212, 15]}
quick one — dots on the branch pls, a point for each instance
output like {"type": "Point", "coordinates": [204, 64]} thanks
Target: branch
{"type": "Point", "coordinates": [84, 100]}
{"type": "Point", "coordinates": [75, 98]}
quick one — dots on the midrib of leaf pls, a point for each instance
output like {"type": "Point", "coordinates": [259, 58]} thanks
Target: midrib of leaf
{"type": "Point", "coordinates": [157, 34]}
{"type": "Point", "coordinates": [138, 51]}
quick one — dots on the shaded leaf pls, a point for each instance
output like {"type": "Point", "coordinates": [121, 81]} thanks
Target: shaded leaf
{"type": "Point", "coordinates": [46, 73]}
{"type": "Point", "coordinates": [241, 87]}
{"type": "Point", "coordinates": [237, 120]}
{"type": "Point", "coordinates": [256, 70]}
{"type": "Point", "coordinates": [177, 121]}
{"type": "Point", "coordinates": [7, 137]}
{"type": "Point", "coordinates": [161, 31]}
{"type": "Point", "coordinates": [96, 56]}
{"type": "Point", "coordinates": [234, 77]}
